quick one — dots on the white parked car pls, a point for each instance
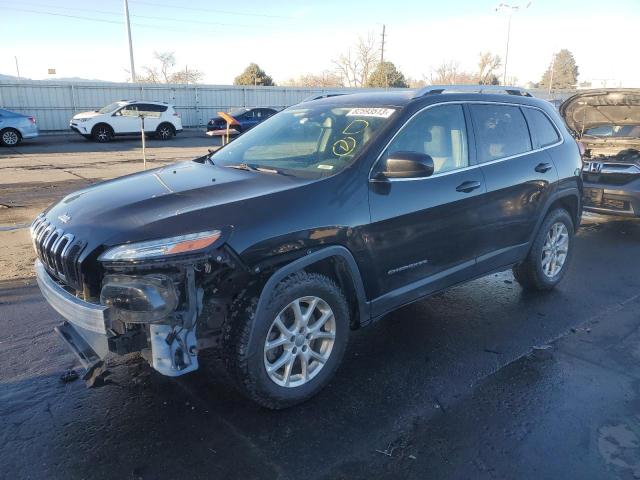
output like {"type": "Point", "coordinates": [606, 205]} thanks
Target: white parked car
{"type": "Point", "coordinates": [122, 118]}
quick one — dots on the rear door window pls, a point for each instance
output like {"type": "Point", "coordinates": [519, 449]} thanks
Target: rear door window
{"type": "Point", "coordinates": [542, 130]}
{"type": "Point", "coordinates": [150, 107]}
{"type": "Point", "coordinates": [501, 131]}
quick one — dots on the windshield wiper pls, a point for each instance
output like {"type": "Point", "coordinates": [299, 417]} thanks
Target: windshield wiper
{"type": "Point", "coordinates": [243, 166]}
{"type": "Point", "coordinates": [254, 168]}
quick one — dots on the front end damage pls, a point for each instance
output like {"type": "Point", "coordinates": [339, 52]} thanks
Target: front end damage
{"type": "Point", "coordinates": [156, 307]}
{"type": "Point", "coordinates": [607, 124]}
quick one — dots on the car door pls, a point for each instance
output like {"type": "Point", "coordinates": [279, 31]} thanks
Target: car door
{"type": "Point", "coordinates": [520, 177]}
{"type": "Point", "coordinates": [423, 230]}
{"type": "Point", "coordinates": [125, 120]}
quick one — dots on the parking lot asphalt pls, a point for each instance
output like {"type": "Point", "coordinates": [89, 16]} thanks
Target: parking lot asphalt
{"type": "Point", "coordinates": [448, 387]}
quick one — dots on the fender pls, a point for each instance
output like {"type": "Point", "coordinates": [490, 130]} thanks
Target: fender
{"type": "Point", "coordinates": [567, 192]}
{"type": "Point", "coordinates": [309, 259]}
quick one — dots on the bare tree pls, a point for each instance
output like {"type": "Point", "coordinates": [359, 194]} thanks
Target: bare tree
{"type": "Point", "coordinates": [162, 71]}
{"type": "Point", "coordinates": [449, 73]}
{"type": "Point", "coordinates": [186, 76]}
{"type": "Point", "coordinates": [445, 74]}
{"type": "Point", "coordinates": [487, 66]}
{"type": "Point", "coordinates": [356, 65]}
{"type": "Point", "coordinates": [324, 79]}
{"type": "Point", "coordinates": [167, 61]}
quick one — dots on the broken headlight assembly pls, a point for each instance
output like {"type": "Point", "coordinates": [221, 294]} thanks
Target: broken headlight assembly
{"type": "Point", "coordinates": [150, 298]}
{"type": "Point", "coordinates": [154, 249]}
{"type": "Point", "coordinates": [139, 298]}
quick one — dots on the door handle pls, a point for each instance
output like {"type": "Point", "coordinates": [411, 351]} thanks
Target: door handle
{"type": "Point", "coordinates": [468, 186]}
{"type": "Point", "coordinates": [543, 167]}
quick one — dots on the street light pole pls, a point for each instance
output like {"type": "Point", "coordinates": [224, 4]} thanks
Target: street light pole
{"type": "Point", "coordinates": [506, 53]}
{"type": "Point", "coordinates": [512, 9]}
{"type": "Point", "coordinates": [126, 17]}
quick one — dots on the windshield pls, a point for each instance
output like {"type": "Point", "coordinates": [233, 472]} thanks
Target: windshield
{"type": "Point", "coordinates": [614, 131]}
{"type": "Point", "coordinates": [308, 141]}
{"type": "Point", "coordinates": [110, 108]}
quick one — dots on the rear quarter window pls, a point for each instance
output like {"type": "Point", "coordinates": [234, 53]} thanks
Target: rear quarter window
{"type": "Point", "coordinates": [543, 132]}
{"type": "Point", "coordinates": [501, 131]}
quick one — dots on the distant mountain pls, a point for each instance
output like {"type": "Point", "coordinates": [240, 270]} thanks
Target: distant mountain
{"type": "Point", "coordinates": [13, 78]}
{"type": "Point", "coordinates": [76, 79]}
{"type": "Point", "coordinates": [7, 78]}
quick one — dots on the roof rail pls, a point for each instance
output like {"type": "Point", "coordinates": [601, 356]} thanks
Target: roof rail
{"type": "Point", "coordinates": [498, 89]}
{"type": "Point", "coordinates": [322, 95]}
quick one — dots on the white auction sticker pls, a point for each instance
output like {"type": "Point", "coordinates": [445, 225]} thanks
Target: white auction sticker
{"type": "Point", "coordinates": [371, 112]}
{"type": "Point", "coordinates": [325, 167]}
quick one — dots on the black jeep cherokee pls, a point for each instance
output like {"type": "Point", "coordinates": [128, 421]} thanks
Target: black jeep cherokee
{"type": "Point", "coordinates": [320, 220]}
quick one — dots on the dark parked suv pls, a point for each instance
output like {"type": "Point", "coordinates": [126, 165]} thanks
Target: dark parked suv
{"type": "Point", "coordinates": [320, 220]}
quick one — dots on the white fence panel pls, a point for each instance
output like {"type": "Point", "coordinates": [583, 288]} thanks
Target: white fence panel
{"type": "Point", "coordinates": [54, 103]}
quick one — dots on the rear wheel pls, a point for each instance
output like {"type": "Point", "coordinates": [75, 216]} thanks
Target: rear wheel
{"type": "Point", "coordinates": [165, 131]}
{"type": "Point", "coordinates": [10, 137]}
{"type": "Point", "coordinates": [288, 352]}
{"type": "Point", "coordinates": [550, 253]}
{"type": "Point", "coordinates": [102, 133]}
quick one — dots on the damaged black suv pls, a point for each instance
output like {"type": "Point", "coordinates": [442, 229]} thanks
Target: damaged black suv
{"type": "Point", "coordinates": [318, 221]}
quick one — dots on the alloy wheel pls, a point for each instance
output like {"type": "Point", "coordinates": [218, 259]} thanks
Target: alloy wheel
{"type": "Point", "coordinates": [103, 134]}
{"type": "Point", "coordinates": [164, 133]}
{"type": "Point", "coordinates": [10, 137]}
{"type": "Point", "coordinates": [299, 342]}
{"type": "Point", "coordinates": [555, 249]}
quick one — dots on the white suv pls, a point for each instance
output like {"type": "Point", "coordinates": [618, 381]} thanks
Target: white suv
{"type": "Point", "coordinates": [121, 118]}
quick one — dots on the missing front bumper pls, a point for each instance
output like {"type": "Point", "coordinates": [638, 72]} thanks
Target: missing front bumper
{"type": "Point", "coordinates": [88, 332]}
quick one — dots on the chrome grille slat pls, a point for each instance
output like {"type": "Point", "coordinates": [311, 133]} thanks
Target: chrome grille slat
{"type": "Point", "coordinates": [58, 251]}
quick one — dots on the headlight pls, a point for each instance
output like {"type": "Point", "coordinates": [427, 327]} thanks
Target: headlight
{"type": "Point", "coordinates": [80, 119]}
{"type": "Point", "coordinates": [161, 248]}
{"type": "Point", "coordinates": [139, 299]}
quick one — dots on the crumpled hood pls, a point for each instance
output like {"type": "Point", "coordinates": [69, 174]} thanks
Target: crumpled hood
{"type": "Point", "coordinates": [181, 198]}
{"type": "Point", "coordinates": [592, 108]}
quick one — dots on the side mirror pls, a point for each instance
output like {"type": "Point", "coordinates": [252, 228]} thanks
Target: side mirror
{"type": "Point", "coordinates": [407, 165]}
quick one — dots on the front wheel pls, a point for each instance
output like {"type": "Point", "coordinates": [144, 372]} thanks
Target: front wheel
{"type": "Point", "coordinates": [102, 133]}
{"type": "Point", "coordinates": [550, 253]}
{"type": "Point", "coordinates": [289, 351]}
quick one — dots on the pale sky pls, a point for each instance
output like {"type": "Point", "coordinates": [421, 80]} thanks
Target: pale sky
{"type": "Point", "coordinates": [288, 38]}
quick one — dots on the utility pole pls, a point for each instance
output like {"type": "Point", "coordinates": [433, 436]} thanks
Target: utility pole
{"type": "Point", "coordinates": [512, 9]}
{"type": "Point", "coordinates": [382, 47]}
{"type": "Point", "coordinates": [506, 53]}
{"type": "Point", "coordinates": [126, 17]}
{"type": "Point", "coordinates": [17, 68]}
{"type": "Point", "coordinates": [553, 67]}
{"type": "Point", "coordinates": [386, 80]}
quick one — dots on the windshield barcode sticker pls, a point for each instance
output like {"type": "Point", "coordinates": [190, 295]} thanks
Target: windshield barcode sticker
{"type": "Point", "coordinates": [371, 112]}
{"type": "Point", "coordinates": [325, 167]}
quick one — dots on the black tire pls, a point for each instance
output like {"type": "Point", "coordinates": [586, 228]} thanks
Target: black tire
{"type": "Point", "coordinates": [530, 274]}
{"type": "Point", "coordinates": [247, 330]}
{"type": "Point", "coordinates": [10, 137]}
{"type": "Point", "coordinates": [102, 133]}
{"type": "Point", "coordinates": [165, 131]}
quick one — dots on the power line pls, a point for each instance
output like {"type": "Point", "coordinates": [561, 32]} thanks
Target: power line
{"type": "Point", "coordinates": [226, 12]}
{"type": "Point", "coordinates": [104, 20]}
{"type": "Point", "coordinates": [146, 17]}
